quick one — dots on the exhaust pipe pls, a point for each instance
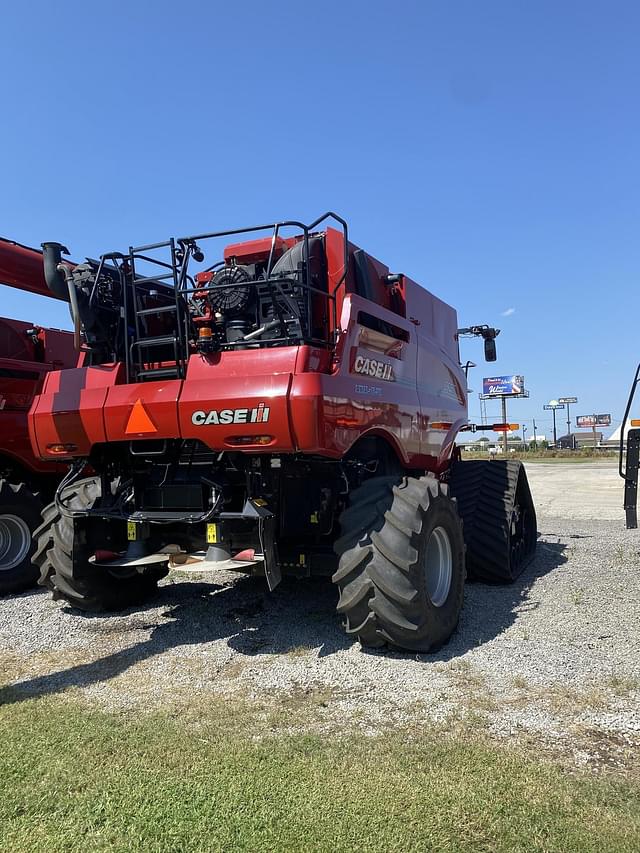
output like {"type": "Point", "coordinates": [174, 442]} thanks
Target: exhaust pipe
{"type": "Point", "coordinates": [54, 269]}
{"type": "Point", "coordinates": [59, 278]}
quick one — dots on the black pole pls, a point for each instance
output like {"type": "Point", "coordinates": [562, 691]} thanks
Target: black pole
{"type": "Point", "coordinates": [554, 427]}
{"type": "Point", "coordinates": [505, 446]}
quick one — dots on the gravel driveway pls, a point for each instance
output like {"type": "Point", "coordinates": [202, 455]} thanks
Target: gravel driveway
{"type": "Point", "coordinates": [555, 657]}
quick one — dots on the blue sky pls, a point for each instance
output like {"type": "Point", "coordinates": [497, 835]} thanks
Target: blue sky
{"type": "Point", "coordinates": [488, 149]}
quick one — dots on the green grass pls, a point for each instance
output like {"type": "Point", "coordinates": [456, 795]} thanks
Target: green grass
{"type": "Point", "coordinates": [75, 779]}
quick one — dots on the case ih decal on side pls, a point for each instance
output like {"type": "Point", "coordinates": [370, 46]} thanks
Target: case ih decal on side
{"type": "Point", "coordinates": [259, 415]}
{"type": "Point", "coordinates": [374, 368]}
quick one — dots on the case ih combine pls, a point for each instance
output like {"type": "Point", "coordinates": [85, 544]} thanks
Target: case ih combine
{"type": "Point", "coordinates": [27, 354]}
{"type": "Point", "coordinates": [289, 406]}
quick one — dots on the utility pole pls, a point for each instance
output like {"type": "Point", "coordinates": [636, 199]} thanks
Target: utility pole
{"type": "Point", "coordinates": [524, 438]}
{"type": "Point", "coordinates": [553, 405]}
{"type": "Point", "coordinates": [535, 436]}
{"type": "Point", "coordinates": [505, 445]}
{"type": "Point", "coordinates": [483, 409]}
{"type": "Point", "coordinates": [569, 401]}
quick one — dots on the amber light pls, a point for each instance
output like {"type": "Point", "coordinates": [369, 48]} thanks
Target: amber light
{"type": "Point", "coordinates": [347, 423]}
{"type": "Point", "coordinates": [635, 422]}
{"type": "Point", "coordinates": [61, 449]}
{"type": "Point", "coordinates": [204, 332]}
{"type": "Point", "coordinates": [249, 439]}
{"type": "Point", "coordinates": [505, 427]}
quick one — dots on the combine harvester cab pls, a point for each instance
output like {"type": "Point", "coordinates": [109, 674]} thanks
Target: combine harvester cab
{"type": "Point", "coordinates": [286, 406]}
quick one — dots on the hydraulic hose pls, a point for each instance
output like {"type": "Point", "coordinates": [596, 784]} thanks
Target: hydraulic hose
{"type": "Point", "coordinates": [73, 303]}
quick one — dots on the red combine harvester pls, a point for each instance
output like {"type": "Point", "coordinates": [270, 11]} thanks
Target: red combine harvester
{"type": "Point", "coordinates": [27, 353]}
{"type": "Point", "coordinates": [291, 407]}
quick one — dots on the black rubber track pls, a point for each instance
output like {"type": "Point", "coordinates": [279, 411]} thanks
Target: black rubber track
{"type": "Point", "coordinates": [364, 514]}
{"type": "Point", "coordinates": [63, 561]}
{"type": "Point", "coordinates": [499, 518]}
{"type": "Point", "coordinates": [17, 499]}
{"type": "Point", "coordinates": [405, 615]}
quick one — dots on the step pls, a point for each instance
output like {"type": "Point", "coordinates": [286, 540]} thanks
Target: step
{"type": "Point", "coordinates": [160, 341]}
{"type": "Point", "coordinates": [164, 309]}
{"type": "Point", "coordinates": [186, 516]}
{"type": "Point", "coordinates": [159, 373]}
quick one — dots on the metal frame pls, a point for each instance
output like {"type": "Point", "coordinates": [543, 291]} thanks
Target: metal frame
{"type": "Point", "coordinates": [630, 473]}
{"type": "Point", "coordinates": [631, 479]}
{"type": "Point", "coordinates": [175, 275]}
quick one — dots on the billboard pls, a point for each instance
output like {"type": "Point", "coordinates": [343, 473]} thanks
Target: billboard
{"type": "Point", "coordinates": [589, 421]}
{"type": "Point", "coordinates": [503, 386]}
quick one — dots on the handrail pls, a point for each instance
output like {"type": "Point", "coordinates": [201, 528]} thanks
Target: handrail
{"type": "Point", "coordinates": [181, 252]}
{"type": "Point", "coordinates": [625, 417]}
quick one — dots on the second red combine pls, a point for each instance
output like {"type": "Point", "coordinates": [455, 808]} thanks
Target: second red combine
{"type": "Point", "coordinates": [290, 407]}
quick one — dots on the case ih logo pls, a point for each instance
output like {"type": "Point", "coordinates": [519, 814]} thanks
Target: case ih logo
{"type": "Point", "coordinates": [374, 368]}
{"type": "Point", "coordinates": [259, 415]}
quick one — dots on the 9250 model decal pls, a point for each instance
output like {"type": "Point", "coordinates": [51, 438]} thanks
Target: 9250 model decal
{"type": "Point", "coordinates": [259, 415]}
{"type": "Point", "coordinates": [374, 368]}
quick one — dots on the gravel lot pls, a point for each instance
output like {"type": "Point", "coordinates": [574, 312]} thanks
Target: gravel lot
{"type": "Point", "coordinates": [554, 658]}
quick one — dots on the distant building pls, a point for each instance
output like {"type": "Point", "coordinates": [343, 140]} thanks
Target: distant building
{"type": "Point", "coordinates": [577, 440]}
{"type": "Point", "coordinates": [538, 439]}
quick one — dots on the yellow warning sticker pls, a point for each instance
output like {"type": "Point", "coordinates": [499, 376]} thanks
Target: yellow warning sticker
{"type": "Point", "coordinates": [132, 531]}
{"type": "Point", "coordinates": [212, 534]}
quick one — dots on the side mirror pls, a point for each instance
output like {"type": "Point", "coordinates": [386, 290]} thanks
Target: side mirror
{"type": "Point", "coordinates": [490, 349]}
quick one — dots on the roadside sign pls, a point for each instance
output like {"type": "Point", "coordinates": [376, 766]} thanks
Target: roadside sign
{"type": "Point", "coordinates": [567, 399]}
{"type": "Point", "coordinates": [589, 421]}
{"type": "Point", "coordinates": [503, 386]}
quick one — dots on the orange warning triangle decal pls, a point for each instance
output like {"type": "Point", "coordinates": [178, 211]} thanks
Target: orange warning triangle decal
{"type": "Point", "coordinates": [139, 420]}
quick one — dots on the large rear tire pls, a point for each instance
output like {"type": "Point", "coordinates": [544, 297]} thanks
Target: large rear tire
{"type": "Point", "coordinates": [63, 557]}
{"type": "Point", "coordinates": [19, 517]}
{"type": "Point", "coordinates": [363, 515]}
{"type": "Point", "coordinates": [500, 528]}
{"type": "Point", "coordinates": [402, 579]}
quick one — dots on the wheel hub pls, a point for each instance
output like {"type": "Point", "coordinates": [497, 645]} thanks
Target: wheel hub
{"type": "Point", "coordinates": [438, 566]}
{"type": "Point", "coordinates": [15, 541]}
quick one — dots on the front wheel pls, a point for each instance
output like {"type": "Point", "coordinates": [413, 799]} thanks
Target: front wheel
{"type": "Point", "coordinates": [63, 558]}
{"type": "Point", "coordinates": [19, 516]}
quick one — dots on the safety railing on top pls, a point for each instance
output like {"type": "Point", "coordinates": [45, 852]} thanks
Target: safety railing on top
{"type": "Point", "coordinates": [170, 281]}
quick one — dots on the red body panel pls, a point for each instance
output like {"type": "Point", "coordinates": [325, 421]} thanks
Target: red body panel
{"type": "Point", "coordinates": [394, 373]}
{"type": "Point", "coordinates": [233, 381]}
{"type": "Point", "coordinates": [27, 354]}
{"type": "Point", "coordinates": [25, 360]}
{"type": "Point", "coordinates": [160, 402]}
{"type": "Point", "coordinates": [71, 409]}
{"type": "Point", "coordinates": [410, 392]}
